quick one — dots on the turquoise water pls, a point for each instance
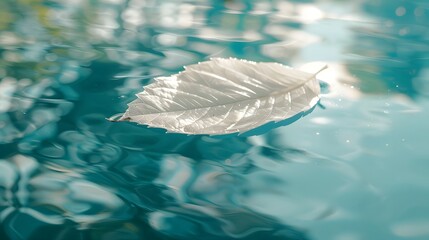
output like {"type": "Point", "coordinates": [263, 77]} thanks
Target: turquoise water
{"type": "Point", "coordinates": [354, 168]}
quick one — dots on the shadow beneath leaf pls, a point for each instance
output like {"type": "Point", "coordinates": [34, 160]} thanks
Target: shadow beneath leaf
{"type": "Point", "coordinates": [271, 125]}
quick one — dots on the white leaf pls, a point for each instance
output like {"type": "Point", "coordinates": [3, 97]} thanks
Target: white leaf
{"type": "Point", "coordinates": [224, 96]}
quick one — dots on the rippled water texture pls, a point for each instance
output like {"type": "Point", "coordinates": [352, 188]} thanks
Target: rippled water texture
{"type": "Point", "coordinates": [355, 168]}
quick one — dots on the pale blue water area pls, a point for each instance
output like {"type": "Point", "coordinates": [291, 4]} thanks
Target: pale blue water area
{"type": "Point", "coordinates": [356, 168]}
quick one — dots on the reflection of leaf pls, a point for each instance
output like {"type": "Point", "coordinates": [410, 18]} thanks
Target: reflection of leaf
{"type": "Point", "coordinates": [224, 96]}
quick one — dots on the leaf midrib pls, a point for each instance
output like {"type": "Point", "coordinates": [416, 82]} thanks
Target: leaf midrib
{"type": "Point", "coordinates": [280, 92]}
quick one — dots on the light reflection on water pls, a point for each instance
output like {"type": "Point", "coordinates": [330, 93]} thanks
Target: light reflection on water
{"type": "Point", "coordinates": [355, 168]}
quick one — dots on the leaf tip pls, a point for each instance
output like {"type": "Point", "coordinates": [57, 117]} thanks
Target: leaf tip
{"type": "Point", "coordinates": [118, 118]}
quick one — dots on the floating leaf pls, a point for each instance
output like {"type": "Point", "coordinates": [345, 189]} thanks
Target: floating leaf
{"type": "Point", "coordinates": [224, 96]}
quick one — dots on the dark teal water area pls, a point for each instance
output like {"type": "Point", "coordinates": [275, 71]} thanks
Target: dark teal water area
{"type": "Point", "coordinates": [356, 168]}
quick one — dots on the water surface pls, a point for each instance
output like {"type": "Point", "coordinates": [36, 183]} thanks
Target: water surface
{"type": "Point", "coordinates": [355, 168]}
